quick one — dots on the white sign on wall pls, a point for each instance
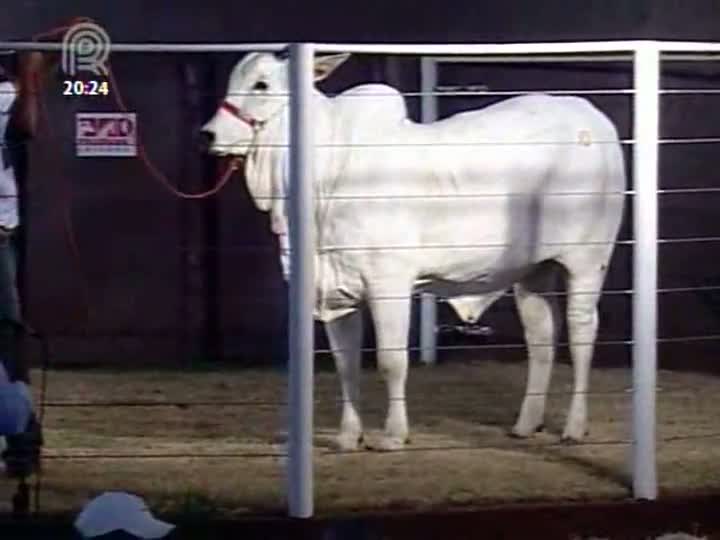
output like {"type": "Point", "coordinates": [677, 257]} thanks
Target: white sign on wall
{"type": "Point", "coordinates": [105, 134]}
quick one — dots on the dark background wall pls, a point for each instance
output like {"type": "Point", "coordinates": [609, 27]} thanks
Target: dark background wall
{"type": "Point", "coordinates": [372, 21]}
{"type": "Point", "coordinates": [169, 279]}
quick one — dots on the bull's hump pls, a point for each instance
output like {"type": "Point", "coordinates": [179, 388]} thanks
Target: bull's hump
{"type": "Point", "coordinates": [368, 109]}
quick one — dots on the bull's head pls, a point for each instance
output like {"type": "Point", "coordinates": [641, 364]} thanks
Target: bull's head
{"type": "Point", "coordinates": [258, 93]}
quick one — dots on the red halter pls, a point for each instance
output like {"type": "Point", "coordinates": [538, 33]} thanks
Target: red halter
{"type": "Point", "coordinates": [240, 115]}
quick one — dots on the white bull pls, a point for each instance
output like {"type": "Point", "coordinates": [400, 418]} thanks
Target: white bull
{"type": "Point", "coordinates": [512, 195]}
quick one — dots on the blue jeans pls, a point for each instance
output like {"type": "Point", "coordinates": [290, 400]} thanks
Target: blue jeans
{"type": "Point", "coordinates": [22, 454]}
{"type": "Point", "coordinates": [10, 312]}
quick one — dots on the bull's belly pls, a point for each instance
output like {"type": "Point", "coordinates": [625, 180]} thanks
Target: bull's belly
{"type": "Point", "coordinates": [485, 281]}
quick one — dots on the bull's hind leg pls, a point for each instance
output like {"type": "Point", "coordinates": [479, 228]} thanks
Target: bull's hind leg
{"type": "Point", "coordinates": [540, 318]}
{"type": "Point", "coordinates": [584, 289]}
{"type": "Point", "coordinates": [345, 336]}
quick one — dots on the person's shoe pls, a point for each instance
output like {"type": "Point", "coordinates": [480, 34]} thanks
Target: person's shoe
{"type": "Point", "coordinates": [22, 455]}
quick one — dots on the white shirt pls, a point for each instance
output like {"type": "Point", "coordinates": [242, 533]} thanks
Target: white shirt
{"type": "Point", "coordinates": [8, 187]}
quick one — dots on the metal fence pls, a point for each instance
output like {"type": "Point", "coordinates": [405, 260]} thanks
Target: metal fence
{"type": "Point", "coordinates": [646, 58]}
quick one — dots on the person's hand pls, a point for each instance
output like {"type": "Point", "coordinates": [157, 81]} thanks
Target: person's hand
{"type": "Point", "coordinates": [33, 60]}
{"type": "Point", "coordinates": [33, 71]}
{"type": "Point", "coordinates": [5, 235]}
{"type": "Point", "coordinates": [43, 63]}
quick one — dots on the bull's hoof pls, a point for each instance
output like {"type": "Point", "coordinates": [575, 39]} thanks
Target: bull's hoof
{"type": "Point", "coordinates": [390, 444]}
{"type": "Point", "coordinates": [569, 439]}
{"type": "Point", "coordinates": [525, 433]}
{"type": "Point", "coordinates": [349, 442]}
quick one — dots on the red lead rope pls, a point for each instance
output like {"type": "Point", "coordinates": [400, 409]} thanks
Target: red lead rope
{"type": "Point", "coordinates": [231, 166]}
{"type": "Point", "coordinates": [153, 170]}
{"type": "Point", "coordinates": [223, 179]}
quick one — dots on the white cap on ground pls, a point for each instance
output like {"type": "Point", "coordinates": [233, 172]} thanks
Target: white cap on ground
{"type": "Point", "coordinates": [119, 511]}
{"type": "Point", "coordinates": [15, 405]}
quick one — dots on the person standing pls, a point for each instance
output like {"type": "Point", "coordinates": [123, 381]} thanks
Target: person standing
{"type": "Point", "coordinates": [21, 81]}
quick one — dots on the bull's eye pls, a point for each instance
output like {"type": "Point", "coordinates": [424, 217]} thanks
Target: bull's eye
{"type": "Point", "coordinates": [261, 86]}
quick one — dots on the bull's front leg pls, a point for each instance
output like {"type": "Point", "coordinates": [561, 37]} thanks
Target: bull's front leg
{"type": "Point", "coordinates": [390, 309]}
{"type": "Point", "coordinates": [345, 336]}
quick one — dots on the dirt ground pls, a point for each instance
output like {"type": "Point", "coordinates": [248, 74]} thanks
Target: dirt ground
{"type": "Point", "coordinates": [460, 455]}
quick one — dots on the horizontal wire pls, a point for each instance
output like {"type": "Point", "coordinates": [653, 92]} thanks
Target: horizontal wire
{"type": "Point", "coordinates": [503, 346]}
{"type": "Point", "coordinates": [339, 401]}
{"type": "Point", "coordinates": [668, 191]}
{"type": "Point", "coordinates": [703, 288]}
{"type": "Point", "coordinates": [690, 140]}
{"type": "Point", "coordinates": [451, 144]}
{"type": "Point", "coordinates": [326, 249]}
{"type": "Point", "coordinates": [443, 299]}
{"type": "Point", "coordinates": [457, 91]}
{"type": "Point", "coordinates": [575, 142]}
{"type": "Point", "coordinates": [692, 91]}
{"type": "Point", "coordinates": [676, 438]}
{"type": "Point", "coordinates": [453, 91]}
{"type": "Point", "coordinates": [231, 455]}
{"type": "Point", "coordinates": [529, 444]}
{"type": "Point", "coordinates": [517, 444]}
{"type": "Point", "coordinates": [444, 197]}
{"type": "Point", "coordinates": [611, 292]}
{"type": "Point", "coordinates": [439, 298]}
{"type": "Point", "coordinates": [317, 401]}
{"type": "Point", "coordinates": [157, 403]}
{"type": "Point", "coordinates": [322, 249]}
{"type": "Point", "coordinates": [689, 339]}
{"type": "Point", "coordinates": [688, 240]}
{"type": "Point", "coordinates": [488, 346]}
{"type": "Point", "coordinates": [175, 334]}
{"type": "Point", "coordinates": [673, 191]}
{"type": "Point", "coordinates": [330, 248]}
{"type": "Point", "coordinates": [462, 196]}
{"type": "Point", "coordinates": [624, 142]}
{"type": "Point", "coordinates": [440, 91]}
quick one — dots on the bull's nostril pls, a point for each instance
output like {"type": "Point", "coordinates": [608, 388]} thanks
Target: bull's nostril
{"type": "Point", "coordinates": [205, 140]}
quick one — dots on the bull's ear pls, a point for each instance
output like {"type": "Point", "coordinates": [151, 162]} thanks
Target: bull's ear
{"type": "Point", "coordinates": [325, 65]}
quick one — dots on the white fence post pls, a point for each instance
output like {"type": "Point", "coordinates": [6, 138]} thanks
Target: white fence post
{"type": "Point", "coordinates": [302, 284]}
{"type": "Point", "coordinates": [645, 221]}
{"type": "Point", "coordinates": [428, 301]}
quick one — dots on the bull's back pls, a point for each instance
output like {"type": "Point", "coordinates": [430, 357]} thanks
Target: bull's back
{"type": "Point", "coordinates": [517, 180]}
{"type": "Point", "coordinates": [533, 172]}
